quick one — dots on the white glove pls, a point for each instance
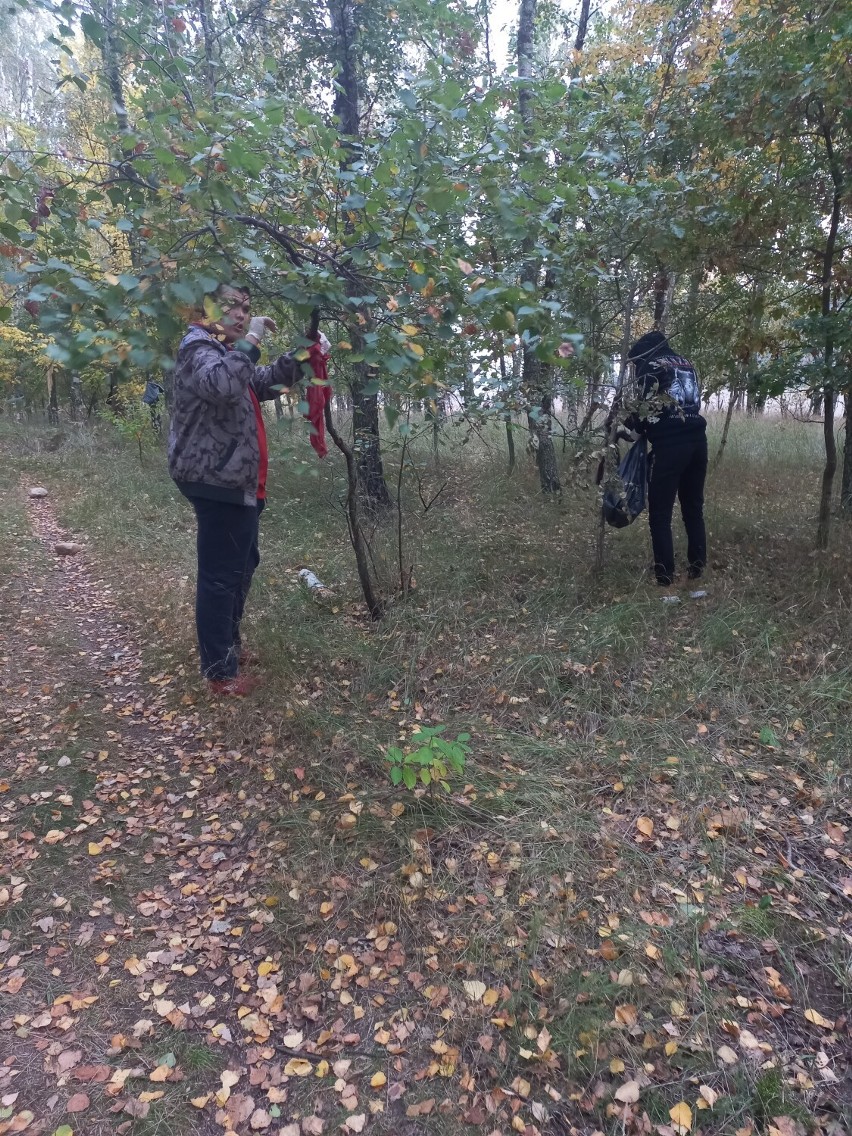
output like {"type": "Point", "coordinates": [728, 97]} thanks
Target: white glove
{"type": "Point", "coordinates": [325, 346]}
{"type": "Point", "coordinates": [258, 327]}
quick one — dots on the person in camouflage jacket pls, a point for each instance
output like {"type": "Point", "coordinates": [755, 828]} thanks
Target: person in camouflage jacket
{"type": "Point", "coordinates": [218, 460]}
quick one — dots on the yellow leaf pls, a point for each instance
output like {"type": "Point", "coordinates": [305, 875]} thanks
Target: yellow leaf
{"type": "Point", "coordinates": [817, 1019]}
{"type": "Point", "coordinates": [415, 349]}
{"type": "Point", "coordinates": [378, 1080]}
{"type": "Point", "coordinates": [95, 849]}
{"type": "Point", "coordinates": [344, 345]}
{"type": "Point", "coordinates": [671, 1048]}
{"type": "Point", "coordinates": [265, 968]}
{"type": "Point", "coordinates": [490, 998]}
{"type": "Point", "coordinates": [616, 1065]}
{"type": "Point", "coordinates": [298, 1067]}
{"type": "Point", "coordinates": [681, 1115]}
{"type": "Point", "coordinates": [161, 1073]}
{"type": "Point", "coordinates": [410, 329]}
{"type": "Point", "coordinates": [708, 1095]}
{"type": "Point", "coordinates": [475, 990]}
{"type": "Point", "coordinates": [727, 1054]}
{"type": "Point", "coordinates": [200, 1102]}
{"type": "Point", "coordinates": [152, 1096]}
{"type": "Point", "coordinates": [645, 826]}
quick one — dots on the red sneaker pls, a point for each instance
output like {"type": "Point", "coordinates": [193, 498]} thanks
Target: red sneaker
{"type": "Point", "coordinates": [237, 687]}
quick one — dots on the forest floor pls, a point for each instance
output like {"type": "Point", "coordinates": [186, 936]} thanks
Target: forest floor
{"type": "Point", "coordinates": [632, 913]}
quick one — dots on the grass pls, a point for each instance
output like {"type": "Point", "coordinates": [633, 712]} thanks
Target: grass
{"type": "Point", "coordinates": [593, 707]}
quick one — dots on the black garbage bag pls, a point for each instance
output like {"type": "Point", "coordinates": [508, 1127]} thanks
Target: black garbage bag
{"type": "Point", "coordinates": [622, 507]}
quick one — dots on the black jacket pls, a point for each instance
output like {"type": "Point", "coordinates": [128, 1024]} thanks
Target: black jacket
{"type": "Point", "coordinates": [668, 386]}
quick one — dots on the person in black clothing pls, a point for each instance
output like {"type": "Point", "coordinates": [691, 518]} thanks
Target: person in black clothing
{"type": "Point", "coordinates": [669, 416]}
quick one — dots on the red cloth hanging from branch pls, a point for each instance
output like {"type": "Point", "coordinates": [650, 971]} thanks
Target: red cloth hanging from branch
{"type": "Point", "coordinates": [319, 395]}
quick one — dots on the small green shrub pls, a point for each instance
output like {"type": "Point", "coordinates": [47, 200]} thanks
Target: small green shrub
{"type": "Point", "coordinates": [431, 759]}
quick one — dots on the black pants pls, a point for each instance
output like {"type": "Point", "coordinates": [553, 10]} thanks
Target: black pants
{"type": "Point", "coordinates": [678, 469]}
{"type": "Point", "coordinates": [228, 554]}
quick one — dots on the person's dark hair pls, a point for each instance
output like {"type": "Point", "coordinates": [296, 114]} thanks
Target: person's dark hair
{"type": "Point", "coordinates": [649, 345]}
{"type": "Point", "coordinates": [241, 288]}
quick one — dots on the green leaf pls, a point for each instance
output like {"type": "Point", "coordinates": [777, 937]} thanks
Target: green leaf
{"type": "Point", "coordinates": [396, 774]}
{"type": "Point", "coordinates": [425, 776]}
{"type": "Point", "coordinates": [409, 776]}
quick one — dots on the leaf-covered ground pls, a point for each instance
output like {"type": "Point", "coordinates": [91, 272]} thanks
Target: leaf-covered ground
{"type": "Point", "coordinates": [631, 915]}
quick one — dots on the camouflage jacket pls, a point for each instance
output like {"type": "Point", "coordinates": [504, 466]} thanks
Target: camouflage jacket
{"type": "Point", "coordinates": [213, 445]}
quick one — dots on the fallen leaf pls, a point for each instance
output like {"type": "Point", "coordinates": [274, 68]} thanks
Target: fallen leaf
{"type": "Point", "coordinates": [681, 1115]}
{"type": "Point", "coordinates": [356, 1123]}
{"type": "Point", "coordinates": [78, 1103]}
{"type": "Point", "coordinates": [475, 989]}
{"type": "Point", "coordinates": [298, 1067]}
{"type": "Point", "coordinates": [626, 1015]}
{"type": "Point", "coordinates": [628, 1093]}
{"type": "Point", "coordinates": [645, 826]}
{"type": "Point", "coordinates": [378, 1080]}
{"type": "Point", "coordinates": [818, 1020]}
{"type": "Point", "coordinates": [727, 1055]}
{"type": "Point", "coordinates": [260, 1120]}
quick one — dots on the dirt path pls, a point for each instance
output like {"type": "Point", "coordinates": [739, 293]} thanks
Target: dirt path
{"type": "Point", "coordinates": [137, 960]}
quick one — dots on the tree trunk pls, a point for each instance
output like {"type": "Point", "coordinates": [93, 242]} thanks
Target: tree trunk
{"type": "Point", "coordinates": [846, 478]}
{"type": "Point", "coordinates": [582, 25]}
{"type": "Point", "coordinates": [53, 399]}
{"type": "Point", "coordinates": [732, 402]}
{"type": "Point", "coordinates": [610, 446]}
{"type": "Point", "coordinates": [353, 517]}
{"type": "Point", "coordinates": [541, 426]}
{"type": "Point", "coordinates": [365, 431]}
{"type": "Point", "coordinates": [76, 397]}
{"type": "Point", "coordinates": [664, 283]}
{"type": "Point", "coordinates": [824, 523]}
{"type": "Point", "coordinates": [829, 470]}
{"type": "Point", "coordinates": [510, 429]}
{"type": "Point", "coordinates": [538, 397]}
{"type": "Point", "coordinates": [365, 412]}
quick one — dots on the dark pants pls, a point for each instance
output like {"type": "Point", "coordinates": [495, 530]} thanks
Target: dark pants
{"type": "Point", "coordinates": [678, 469]}
{"type": "Point", "coordinates": [228, 554]}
